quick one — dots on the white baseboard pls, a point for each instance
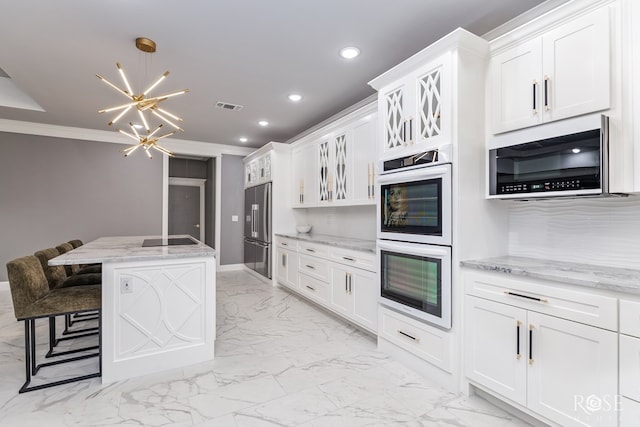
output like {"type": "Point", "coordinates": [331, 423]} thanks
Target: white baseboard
{"type": "Point", "coordinates": [231, 267]}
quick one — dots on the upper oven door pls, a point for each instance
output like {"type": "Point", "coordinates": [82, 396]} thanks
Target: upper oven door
{"type": "Point", "coordinates": [415, 205]}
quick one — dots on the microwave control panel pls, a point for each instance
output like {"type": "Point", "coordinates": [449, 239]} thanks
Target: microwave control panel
{"type": "Point", "coordinates": [558, 185]}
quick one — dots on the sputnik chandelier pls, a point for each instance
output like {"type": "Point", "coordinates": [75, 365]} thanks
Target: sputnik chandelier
{"type": "Point", "coordinates": [144, 104]}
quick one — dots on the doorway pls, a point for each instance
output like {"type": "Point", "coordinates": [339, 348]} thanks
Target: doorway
{"type": "Point", "coordinates": [187, 207]}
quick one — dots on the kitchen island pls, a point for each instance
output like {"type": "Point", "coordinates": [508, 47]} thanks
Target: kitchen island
{"type": "Point", "coordinates": [158, 302]}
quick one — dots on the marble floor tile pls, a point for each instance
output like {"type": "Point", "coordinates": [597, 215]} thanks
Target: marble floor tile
{"type": "Point", "coordinates": [280, 361]}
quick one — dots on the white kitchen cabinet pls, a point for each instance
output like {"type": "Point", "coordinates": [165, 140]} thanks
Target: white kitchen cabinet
{"type": "Point", "coordinates": [258, 171]}
{"type": "Point", "coordinates": [518, 346]}
{"type": "Point", "coordinates": [496, 347]}
{"type": "Point", "coordinates": [341, 280]}
{"type": "Point", "coordinates": [354, 294]}
{"type": "Point", "coordinates": [564, 72]}
{"type": "Point", "coordinates": [287, 267]}
{"type": "Point", "coordinates": [303, 180]}
{"type": "Point", "coordinates": [346, 164]}
{"type": "Point", "coordinates": [629, 413]}
{"type": "Point", "coordinates": [415, 112]}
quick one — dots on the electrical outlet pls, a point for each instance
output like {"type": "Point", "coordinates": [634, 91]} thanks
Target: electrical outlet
{"type": "Point", "coordinates": [126, 285]}
{"type": "Point", "coordinates": [234, 218]}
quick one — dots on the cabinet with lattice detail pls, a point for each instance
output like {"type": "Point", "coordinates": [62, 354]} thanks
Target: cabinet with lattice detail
{"type": "Point", "coordinates": [415, 111]}
{"type": "Point", "coordinates": [346, 164]}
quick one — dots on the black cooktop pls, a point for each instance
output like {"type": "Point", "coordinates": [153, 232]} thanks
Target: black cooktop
{"type": "Point", "coordinates": [171, 241]}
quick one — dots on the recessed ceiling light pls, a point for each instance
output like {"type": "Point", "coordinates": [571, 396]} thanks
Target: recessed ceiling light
{"type": "Point", "coordinates": [575, 150]}
{"type": "Point", "coordinates": [263, 123]}
{"type": "Point", "coordinates": [243, 139]}
{"type": "Point", "coordinates": [349, 52]}
{"type": "Point", "coordinates": [295, 97]}
{"type": "Point", "coordinates": [137, 126]}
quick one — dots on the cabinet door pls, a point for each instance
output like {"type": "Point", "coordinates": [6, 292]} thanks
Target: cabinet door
{"type": "Point", "coordinates": [303, 161]}
{"type": "Point", "coordinates": [576, 67]}
{"type": "Point", "coordinates": [392, 105]}
{"type": "Point", "coordinates": [287, 268]}
{"type": "Point", "coordinates": [630, 367]}
{"type": "Point", "coordinates": [341, 165]}
{"type": "Point", "coordinates": [324, 170]}
{"type": "Point", "coordinates": [571, 368]}
{"type": "Point", "coordinates": [495, 347]}
{"type": "Point", "coordinates": [341, 296]}
{"type": "Point", "coordinates": [364, 289]}
{"type": "Point", "coordinates": [629, 413]}
{"type": "Point", "coordinates": [363, 153]}
{"type": "Point", "coordinates": [432, 114]}
{"type": "Point", "coordinates": [515, 87]}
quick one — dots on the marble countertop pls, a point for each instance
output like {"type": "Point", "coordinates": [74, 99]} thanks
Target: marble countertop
{"type": "Point", "coordinates": [338, 241]}
{"type": "Point", "coordinates": [588, 275]}
{"type": "Point", "coordinates": [129, 248]}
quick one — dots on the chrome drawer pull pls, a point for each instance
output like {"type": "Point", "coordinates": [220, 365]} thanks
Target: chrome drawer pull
{"type": "Point", "coordinates": [408, 336]}
{"type": "Point", "coordinates": [310, 250]}
{"type": "Point", "coordinates": [348, 259]}
{"type": "Point", "coordinates": [312, 288]}
{"type": "Point", "coordinates": [310, 266]}
{"type": "Point", "coordinates": [513, 294]}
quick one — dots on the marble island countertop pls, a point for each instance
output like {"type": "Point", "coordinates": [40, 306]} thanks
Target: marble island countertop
{"type": "Point", "coordinates": [129, 248]}
{"type": "Point", "coordinates": [589, 275]}
{"type": "Point", "coordinates": [338, 241]}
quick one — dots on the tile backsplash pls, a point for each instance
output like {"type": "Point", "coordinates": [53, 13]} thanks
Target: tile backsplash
{"type": "Point", "coordinates": [604, 231]}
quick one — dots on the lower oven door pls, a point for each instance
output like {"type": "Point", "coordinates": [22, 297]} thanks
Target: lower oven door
{"type": "Point", "coordinates": [416, 279]}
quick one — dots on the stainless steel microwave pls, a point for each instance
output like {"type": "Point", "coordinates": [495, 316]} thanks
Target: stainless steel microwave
{"type": "Point", "coordinates": [569, 159]}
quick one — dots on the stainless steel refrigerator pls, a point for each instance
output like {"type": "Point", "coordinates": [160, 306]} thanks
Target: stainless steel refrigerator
{"type": "Point", "coordinates": [257, 229]}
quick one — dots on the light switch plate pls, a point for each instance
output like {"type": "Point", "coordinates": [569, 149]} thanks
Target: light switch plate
{"type": "Point", "coordinates": [234, 218]}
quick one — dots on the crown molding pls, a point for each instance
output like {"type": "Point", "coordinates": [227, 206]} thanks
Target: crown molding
{"type": "Point", "coordinates": [179, 146]}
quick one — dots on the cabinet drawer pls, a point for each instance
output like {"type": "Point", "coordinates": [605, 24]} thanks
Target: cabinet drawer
{"type": "Point", "coordinates": [286, 243]}
{"type": "Point", "coordinates": [630, 367]}
{"type": "Point", "coordinates": [545, 297]}
{"type": "Point", "coordinates": [313, 288]}
{"type": "Point", "coordinates": [314, 267]}
{"type": "Point", "coordinates": [313, 249]}
{"type": "Point", "coordinates": [426, 342]}
{"type": "Point", "coordinates": [359, 259]}
{"type": "Point", "coordinates": [630, 318]}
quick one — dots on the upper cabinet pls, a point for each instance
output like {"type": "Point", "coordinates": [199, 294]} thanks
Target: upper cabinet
{"type": "Point", "coordinates": [415, 111]}
{"type": "Point", "coordinates": [564, 72]}
{"type": "Point", "coordinates": [257, 171]}
{"type": "Point", "coordinates": [337, 168]}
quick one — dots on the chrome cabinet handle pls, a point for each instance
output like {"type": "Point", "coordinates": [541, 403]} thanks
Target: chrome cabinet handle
{"type": "Point", "coordinates": [348, 259]}
{"type": "Point", "coordinates": [284, 260]}
{"type": "Point", "coordinates": [350, 282]}
{"type": "Point", "coordinates": [284, 244]}
{"type": "Point", "coordinates": [310, 250]}
{"type": "Point", "coordinates": [346, 284]}
{"type": "Point", "coordinates": [310, 266]}
{"type": "Point", "coordinates": [310, 287]}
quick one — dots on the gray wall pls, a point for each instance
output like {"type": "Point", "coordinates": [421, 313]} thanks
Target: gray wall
{"type": "Point", "coordinates": [232, 203]}
{"type": "Point", "coordinates": [53, 190]}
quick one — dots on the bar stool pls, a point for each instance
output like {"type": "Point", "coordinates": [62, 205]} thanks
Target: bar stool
{"type": "Point", "coordinates": [33, 299]}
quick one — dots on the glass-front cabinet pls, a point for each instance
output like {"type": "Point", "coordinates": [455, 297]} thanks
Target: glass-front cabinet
{"type": "Point", "coordinates": [415, 112]}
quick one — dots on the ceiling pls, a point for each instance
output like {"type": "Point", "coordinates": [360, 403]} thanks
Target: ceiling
{"type": "Point", "coordinates": [247, 52]}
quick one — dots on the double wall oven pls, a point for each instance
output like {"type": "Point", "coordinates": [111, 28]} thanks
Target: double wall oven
{"type": "Point", "coordinates": [414, 235]}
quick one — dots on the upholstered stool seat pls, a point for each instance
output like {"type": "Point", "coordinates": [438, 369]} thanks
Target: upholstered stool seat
{"type": "Point", "coordinates": [57, 274]}
{"type": "Point", "coordinates": [33, 299]}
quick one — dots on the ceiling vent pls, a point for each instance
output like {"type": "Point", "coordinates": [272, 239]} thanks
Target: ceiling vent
{"type": "Point", "coordinates": [228, 106]}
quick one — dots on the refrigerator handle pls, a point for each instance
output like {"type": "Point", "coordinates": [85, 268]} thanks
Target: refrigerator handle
{"type": "Point", "coordinates": [267, 213]}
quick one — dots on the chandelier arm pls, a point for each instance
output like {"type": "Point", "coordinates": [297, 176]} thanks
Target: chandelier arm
{"type": "Point", "coordinates": [114, 86]}
{"type": "Point", "coordinates": [144, 121]}
{"type": "Point", "coordinates": [135, 131]}
{"type": "Point", "coordinates": [152, 133]}
{"type": "Point", "coordinates": [165, 112]}
{"type": "Point", "coordinates": [167, 120]}
{"type": "Point", "coordinates": [124, 78]}
{"type": "Point", "coordinates": [120, 115]}
{"type": "Point", "coordinates": [164, 150]}
{"type": "Point", "coordinates": [108, 110]}
{"type": "Point", "coordinates": [161, 78]}
{"type": "Point", "coordinates": [130, 150]}
{"type": "Point", "coordinates": [146, 150]}
{"type": "Point", "coordinates": [165, 135]}
{"type": "Point", "coordinates": [128, 134]}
